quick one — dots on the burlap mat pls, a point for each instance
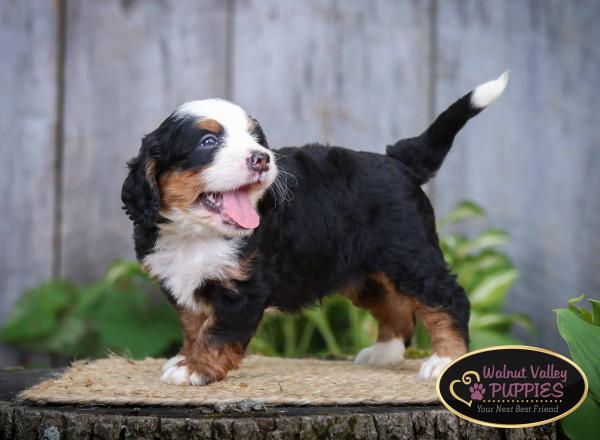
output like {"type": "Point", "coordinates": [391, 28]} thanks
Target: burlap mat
{"type": "Point", "coordinates": [260, 380]}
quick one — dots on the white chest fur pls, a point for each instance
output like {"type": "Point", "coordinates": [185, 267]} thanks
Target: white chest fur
{"type": "Point", "coordinates": [184, 262]}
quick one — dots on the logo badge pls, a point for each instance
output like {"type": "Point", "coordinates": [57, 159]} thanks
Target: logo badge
{"type": "Point", "coordinates": [513, 386]}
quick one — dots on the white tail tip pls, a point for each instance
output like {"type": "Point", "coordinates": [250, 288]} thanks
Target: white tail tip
{"type": "Point", "coordinates": [486, 93]}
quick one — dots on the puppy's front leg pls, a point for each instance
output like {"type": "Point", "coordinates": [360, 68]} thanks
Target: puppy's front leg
{"type": "Point", "coordinates": [216, 344]}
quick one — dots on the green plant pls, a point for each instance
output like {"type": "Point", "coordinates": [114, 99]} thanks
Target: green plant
{"type": "Point", "coordinates": [580, 328]}
{"type": "Point", "coordinates": [335, 328]}
{"type": "Point", "coordinates": [119, 313]}
{"type": "Point", "coordinates": [487, 274]}
{"type": "Point", "coordinates": [124, 312]}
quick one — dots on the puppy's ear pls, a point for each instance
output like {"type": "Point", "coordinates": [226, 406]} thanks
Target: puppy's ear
{"type": "Point", "coordinates": [140, 194]}
{"type": "Point", "coordinates": [261, 138]}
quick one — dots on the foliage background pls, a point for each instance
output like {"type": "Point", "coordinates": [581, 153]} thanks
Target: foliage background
{"type": "Point", "coordinates": [125, 313]}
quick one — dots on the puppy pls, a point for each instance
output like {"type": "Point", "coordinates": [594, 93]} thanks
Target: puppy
{"type": "Point", "coordinates": [229, 226]}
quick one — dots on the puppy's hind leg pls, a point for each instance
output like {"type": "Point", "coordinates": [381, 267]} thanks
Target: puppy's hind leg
{"type": "Point", "coordinates": [446, 317]}
{"type": "Point", "coordinates": [394, 315]}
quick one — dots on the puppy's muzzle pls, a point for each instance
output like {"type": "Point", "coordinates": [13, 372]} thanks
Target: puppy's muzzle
{"type": "Point", "coordinates": [259, 162]}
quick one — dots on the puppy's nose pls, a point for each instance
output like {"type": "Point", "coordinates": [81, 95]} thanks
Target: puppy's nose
{"type": "Point", "coordinates": [259, 161]}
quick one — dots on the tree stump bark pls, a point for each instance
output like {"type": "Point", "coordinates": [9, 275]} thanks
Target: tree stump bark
{"type": "Point", "coordinates": [18, 421]}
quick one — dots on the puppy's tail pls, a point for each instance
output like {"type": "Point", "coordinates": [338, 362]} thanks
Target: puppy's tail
{"type": "Point", "coordinates": [424, 154]}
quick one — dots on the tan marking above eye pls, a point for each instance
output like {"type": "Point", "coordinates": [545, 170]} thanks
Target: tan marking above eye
{"type": "Point", "coordinates": [210, 125]}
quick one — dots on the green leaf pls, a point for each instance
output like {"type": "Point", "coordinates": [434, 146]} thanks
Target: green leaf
{"type": "Point", "coordinates": [487, 239]}
{"type": "Point", "coordinates": [583, 340]}
{"type": "Point", "coordinates": [595, 311]}
{"type": "Point", "coordinates": [142, 331]}
{"type": "Point", "coordinates": [491, 292]}
{"type": "Point", "coordinates": [473, 269]}
{"type": "Point", "coordinates": [123, 269]}
{"type": "Point", "coordinates": [582, 422]}
{"type": "Point", "coordinates": [499, 321]}
{"type": "Point", "coordinates": [289, 333]}
{"type": "Point", "coordinates": [305, 337]}
{"type": "Point", "coordinates": [421, 339]}
{"type": "Point", "coordinates": [579, 311]}
{"type": "Point", "coordinates": [317, 317]}
{"type": "Point", "coordinates": [89, 298]}
{"type": "Point", "coordinates": [489, 338]}
{"type": "Point", "coordinates": [463, 211]}
{"type": "Point", "coordinates": [68, 337]}
{"type": "Point", "coordinates": [35, 316]}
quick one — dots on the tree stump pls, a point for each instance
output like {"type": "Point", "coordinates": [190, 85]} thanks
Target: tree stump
{"type": "Point", "coordinates": [19, 421]}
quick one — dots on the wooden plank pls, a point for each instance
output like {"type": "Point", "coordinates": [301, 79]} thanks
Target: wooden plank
{"type": "Point", "coordinates": [532, 158]}
{"type": "Point", "coordinates": [350, 73]}
{"type": "Point", "coordinates": [128, 65]}
{"type": "Point", "coordinates": [28, 79]}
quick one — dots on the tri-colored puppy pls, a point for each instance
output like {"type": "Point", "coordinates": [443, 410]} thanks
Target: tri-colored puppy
{"type": "Point", "coordinates": [229, 227]}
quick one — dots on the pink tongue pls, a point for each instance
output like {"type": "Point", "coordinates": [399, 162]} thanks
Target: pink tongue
{"type": "Point", "coordinates": [236, 204]}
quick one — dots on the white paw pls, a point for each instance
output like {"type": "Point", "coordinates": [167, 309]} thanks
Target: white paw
{"type": "Point", "coordinates": [172, 361]}
{"type": "Point", "coordinates": [433, 366]}
{"type": "Point", "coordinates": [382, 353]}
{"type": "Point", "coordinates": [175, 375]}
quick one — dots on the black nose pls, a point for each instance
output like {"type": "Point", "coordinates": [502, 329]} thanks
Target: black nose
{"type": "Point", "coordinates": [259, 161]}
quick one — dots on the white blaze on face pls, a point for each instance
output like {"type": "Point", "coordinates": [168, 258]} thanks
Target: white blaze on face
{"type": "Point", "coordinates": [239, 188]}
{"type": "Point", "coordinates": [229, 169]}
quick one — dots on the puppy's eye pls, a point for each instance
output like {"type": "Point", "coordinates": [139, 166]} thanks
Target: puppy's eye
{"type": "Point", "coordinates": [209, 141]}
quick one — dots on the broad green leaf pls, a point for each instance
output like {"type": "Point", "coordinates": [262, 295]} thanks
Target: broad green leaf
{"type": "Point", "coordinates": [90, 297]}
{"type": "Point", "coordinates": [35, 315]}
{"type": "Point", "coordinates": [583, 340]}
{"type": "Point", "coordinates": [499, 321]}
{"type": "Point", "coordinates": [579, 311]}
{"type": "Point", "coordinates": [487, 239]}
{"type": "Point", "coordinates": [452, 242]}
{"type": "Point", "coordinates": [68, 337]}
{"type": "Point", "coordinates": [123, 268]}
{"type": "Point", "coordinates": [463, 211]}
{"type": "Point", "coordinates": [473, 269]}
{"type": "Point", "coordinates": [595, 311]}
{"type": "Point", "coordinates": [490, 259]}
{"type": "Point", "coordinates": [491, 292]}
{"type": "Point", "coordinates": [584, 422]}
{"type": "Point", "coordinates": [123, 326]}
{"type": "Point", "coordinates": [489, 338]}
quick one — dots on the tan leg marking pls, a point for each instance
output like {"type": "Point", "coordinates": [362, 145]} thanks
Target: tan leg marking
{"type": "Point", "coordinates": [395, 314]}
{"type": "Point", "coordinates": [201, 361]}
{"type": "Point", "coordinates": [393, 311]}
{"type": "Point", "coordinates": [446, 340]}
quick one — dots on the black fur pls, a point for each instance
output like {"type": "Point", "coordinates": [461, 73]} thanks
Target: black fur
{"type": "Point", "coordinates": [424, 154]}
{"type": "Point", "coordinates": [171, 145]}
{"type": "Point", "coordinates": [351, 214]}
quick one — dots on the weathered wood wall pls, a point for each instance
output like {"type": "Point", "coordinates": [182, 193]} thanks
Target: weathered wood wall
{"type": "Point", "coordinates": [81, 82]}
{"type": "Point", "coordinates": [28, 122]}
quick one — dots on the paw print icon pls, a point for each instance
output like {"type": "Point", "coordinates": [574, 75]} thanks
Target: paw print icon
{"type": "Point", "coordinates": [477, 391]}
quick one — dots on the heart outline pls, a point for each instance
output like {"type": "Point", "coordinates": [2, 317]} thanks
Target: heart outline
{"type": "Point", "coordinates": [465, 380]}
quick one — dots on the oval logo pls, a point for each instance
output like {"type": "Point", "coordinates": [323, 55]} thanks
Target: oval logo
{"type": "Point", "coordinates": [513, 386]}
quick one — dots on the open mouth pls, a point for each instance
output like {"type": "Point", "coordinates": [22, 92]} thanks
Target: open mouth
{"type": "Point", "coordinates": [234, 207]}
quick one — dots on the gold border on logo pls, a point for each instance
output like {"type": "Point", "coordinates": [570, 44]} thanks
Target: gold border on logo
{"type": "Point", "coordinates": [507, 347]}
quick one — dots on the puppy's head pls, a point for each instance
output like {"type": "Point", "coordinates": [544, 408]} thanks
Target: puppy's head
{"type": "Point", "coordinates": [204, 170]}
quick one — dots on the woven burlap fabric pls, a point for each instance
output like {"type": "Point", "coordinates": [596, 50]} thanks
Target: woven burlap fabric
{"type": "Point", "coordinates": [263, 380]}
